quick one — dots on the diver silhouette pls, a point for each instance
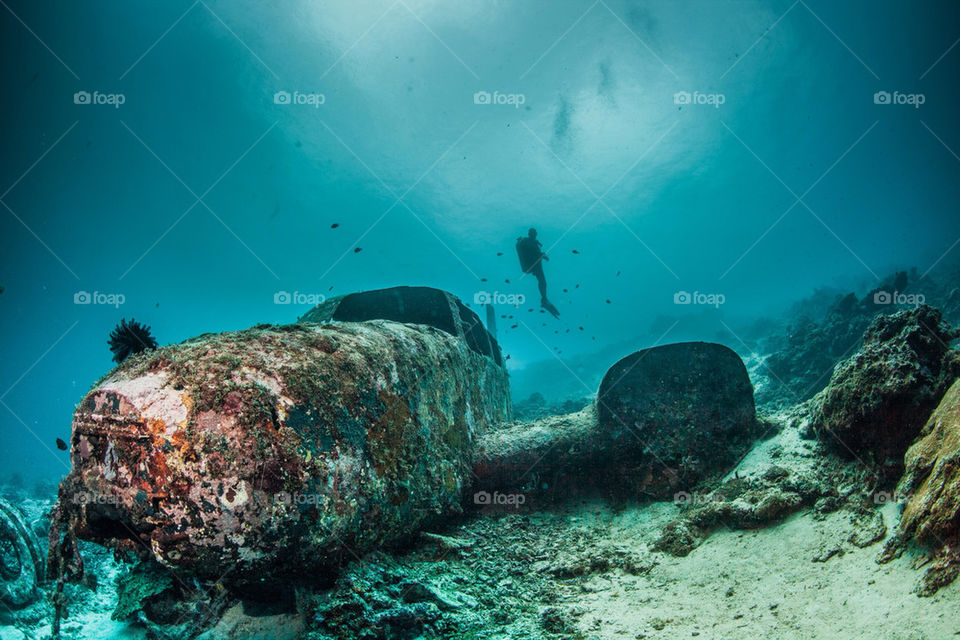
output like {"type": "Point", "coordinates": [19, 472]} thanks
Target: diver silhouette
{"type": "Point", "coordinates": [531, 261]}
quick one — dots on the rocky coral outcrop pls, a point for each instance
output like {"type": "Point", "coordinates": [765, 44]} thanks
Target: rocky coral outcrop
{"type": "Point", "coordinates": [931, 484]}
{"type": "Point", "coordinates": [878, 399]}
{"type": "Point", "coordinates": [932, 477]}
{"type": "Point", "coordinates": [828, 326]}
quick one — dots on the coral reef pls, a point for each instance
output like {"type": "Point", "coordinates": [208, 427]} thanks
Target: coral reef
{"type": "Point", "coordinates": [932, 477]}
{"type": "Point", "coordinates": [931, 483]}
{"type": "Point", "coordinates": [878, 399]}
{"type": "Point", "coordinates": [828, 326]}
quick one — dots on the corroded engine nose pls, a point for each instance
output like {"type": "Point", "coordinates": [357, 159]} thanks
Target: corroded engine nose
{"type": "Point", "coordinates": [279, 450]}
{"type": "Point", "coordinates": [120, 485]}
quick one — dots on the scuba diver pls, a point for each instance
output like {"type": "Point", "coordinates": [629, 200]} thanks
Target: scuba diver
{"type": "Point", "coordinates": [531, 261]}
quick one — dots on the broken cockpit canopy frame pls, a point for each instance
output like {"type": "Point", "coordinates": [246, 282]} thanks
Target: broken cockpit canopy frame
{"type": "Point", "coordinates": [414, 305]}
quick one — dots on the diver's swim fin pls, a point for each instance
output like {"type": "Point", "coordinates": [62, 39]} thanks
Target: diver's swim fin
{"type": "Point", "coordinates": [546, 304]}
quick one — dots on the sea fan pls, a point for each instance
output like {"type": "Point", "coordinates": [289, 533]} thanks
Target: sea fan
{"type": "Point", "coordinates": [128, 338]}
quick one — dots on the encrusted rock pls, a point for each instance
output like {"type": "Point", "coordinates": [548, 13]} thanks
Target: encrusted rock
{"type": "Point", "coordinates": [878, 400]}
{"type": "Point", "coordinates": [932, 478]}
{"type": "Point", "coordinates": [932, 483]}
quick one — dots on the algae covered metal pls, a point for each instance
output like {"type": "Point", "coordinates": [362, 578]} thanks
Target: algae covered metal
{"type": "Point", "coordinates": [276, 450]}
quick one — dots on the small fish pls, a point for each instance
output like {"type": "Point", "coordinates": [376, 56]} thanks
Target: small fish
{"type": "Point", "coordinates": [61, 444]}
{"type": "Point", "coordinates": [581, 328]}
{"type": "Point", "coordinates": [335, 225]}
{"type": "Point", "coordinates": [577, 287]}
{"type": "Point", "coordinates": [483, 279]}
{"type": "Point", "coordinates": [575, 251]}
{"type": "Point", "coordinates": [618, 274]}
{"type": "Point", "coordinates": [499, 253]}
{"type": "Point", "coordinates": [514, 326]}
{"type": "Point", "coordinates": [330, 288]}
{"type": "Point", "coordinates": [508, 357]}
{"type": "Point", "coordinates": [507, 280]}
{"type": "Point", "coordinates": [565, 291]}
{"type": "Point", "coordinates": [357, 250]}
{"type": "Point", "coordinates": [608, 302]}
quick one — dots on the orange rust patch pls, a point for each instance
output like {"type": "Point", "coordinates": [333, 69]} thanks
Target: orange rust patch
{"type": "Point", "coordinates": [156, 426]}
{"type": "Point", "coordinates": [158, 468]}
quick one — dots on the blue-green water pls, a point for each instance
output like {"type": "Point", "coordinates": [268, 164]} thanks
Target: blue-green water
{"type": "Point", "coordinates": [204, 194]}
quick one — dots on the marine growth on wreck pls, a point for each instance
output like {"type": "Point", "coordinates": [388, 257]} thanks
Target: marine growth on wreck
{"type": "Point", "coordinates": [407, 320]}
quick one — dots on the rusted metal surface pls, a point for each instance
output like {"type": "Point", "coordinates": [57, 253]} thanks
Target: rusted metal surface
{"type": "Point", "coordinates": [275, 451]}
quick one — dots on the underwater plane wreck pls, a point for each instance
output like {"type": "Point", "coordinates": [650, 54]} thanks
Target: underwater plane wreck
{"type": "Point", "coordinates": [282, 450]}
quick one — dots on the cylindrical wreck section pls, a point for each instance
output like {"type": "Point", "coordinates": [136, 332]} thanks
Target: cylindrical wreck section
{"type": "Point", "coordinates": [277, 450]}
{"type": "Point", "coordinates": [665, 418]}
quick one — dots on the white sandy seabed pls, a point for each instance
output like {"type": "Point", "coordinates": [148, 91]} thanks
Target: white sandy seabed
{"type": "Point", "coordinates": [762, 583]}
